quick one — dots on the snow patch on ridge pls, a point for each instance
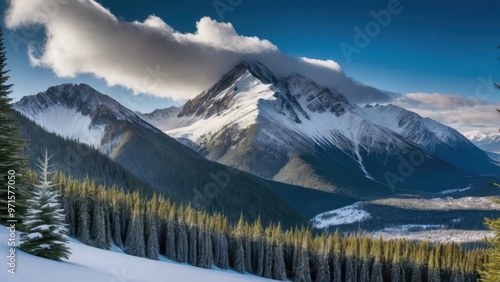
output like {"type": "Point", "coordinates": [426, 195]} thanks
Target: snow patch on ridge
{"type": "Point", "coordinates": [68, 123]}
{"type": "Point", "coordinates": [247, 93]}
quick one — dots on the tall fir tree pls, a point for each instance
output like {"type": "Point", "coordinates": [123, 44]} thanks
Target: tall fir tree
{"type": "Point", "coordinates": [98, 228]}
{"type": "Point", "coordinates": [44, 223]}
{"type": "Point", "coordinates": [13, 167]}
{"type": "Point", "coordinates": [303, 273]}
{"type": "Point", "coordinates": [238, 246]}
{"type": "Point", "coordinates": [181, 238]}
{"type": "Point", "coordinates": [224, 252]}
{"type": "Point", "coordinates": [116, 228]}
{"type": "Point", "coordinates": [258, 248]}
{"type": "Point", "coordinates": [322, 270]}
{"type": "Point", "coordinates": [135, 244]}
{"type": "Point", "coordinates": [279, 269]}
{"type": "Point", "coordinates": [83, 219]}
{"type": "Point", "coordinates": [268, 254]}
{"type": "Point", "coordinates": [170, 234]}
{"type": "Point", "coordinates": [151, 231]}
{"type": "Point", "coordinates": [491, 269]}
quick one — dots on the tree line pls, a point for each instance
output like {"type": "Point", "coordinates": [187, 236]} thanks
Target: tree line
{"type": "Point", "coordinates": [157, 226]}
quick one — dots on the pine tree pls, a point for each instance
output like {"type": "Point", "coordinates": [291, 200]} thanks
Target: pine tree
{"type": "Point", "coordinates": [224, 252]}
{"type": "Point", "coordinates": [338, 257]}
{"type": "Point", "coordinates": [116, 223]}
{"type": "Point", "coordinates": [151, 231]}
{"type": "Point", "coordinates": [107, 225]}
{"type": "Point", "coordinates": [98, 229]}
{"type": "Point", "coordinates": [193, 245]}
{"type": "Point", "coordinates": [303, 273]}
{"type": "Point", "coordinates": [279, 269]}
{"type": "Point", "coordinates": [69, 209]}
{"type": "Point", "coordinates": [44, 223]}
{"type": "Point", "coordinates": [247, 245]}
{"type": "Point", "coordinates": [268, 254]}
{"type": "Point", "coordinates": [13, 167]}
{"type": "Point", "coordinates": [181, 239]}
{"type": "Point", "coordinates": [258, 248]}
{"type": "Point", "coordinates": [321, 260]}
{"type": "Point", "coordinates": [83, 226]}
{"type": "Point", "coordinates": [491, 269]}
{"type": "Point", "coordinates": [170, 234]}
{"type": "Point", "coordinates": [134, 242]}
{"type": "Point", "coordinates": [416, 275]}
{"type": "Point", "coordinates": [238, 247]}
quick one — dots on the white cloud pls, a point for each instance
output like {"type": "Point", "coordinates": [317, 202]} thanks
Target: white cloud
{"type": "Point", "coordinates": [324, 63]}
{"type": "Point", "coordinates": [462, 113]}
{"type": "Point", "coordinates": [152, 57]}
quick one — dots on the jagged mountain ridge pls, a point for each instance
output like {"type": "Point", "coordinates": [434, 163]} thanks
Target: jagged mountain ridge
{"type": "Point", "coordinates": [80, 113]}
{"type": "Point", "coordinates": [487, 141]}
{"type": "Point", "coordinates": [295, 131]}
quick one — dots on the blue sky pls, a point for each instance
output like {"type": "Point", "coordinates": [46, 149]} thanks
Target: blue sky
{"type": "Point", "coordinates": [430, 46]}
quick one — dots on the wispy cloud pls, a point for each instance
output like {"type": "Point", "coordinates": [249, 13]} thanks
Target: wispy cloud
{"type": "Point", "coordinates": [462, 113]}
{"type": "Point", "coordinates": [152, 57]}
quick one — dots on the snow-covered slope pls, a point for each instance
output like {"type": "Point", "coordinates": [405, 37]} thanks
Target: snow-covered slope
{"type": "Point", "coordinates": [344, 215]}
{"type": "Point", "coordinates": [438, 139]}
{"type": "Point", "coordinates": [157, 117]}
{"type": "Point", "coordinates": [423, 131]}
{"type": "Point", "coordinates": [292, 130]}
{"type": "Point", "coordinates": [77, 112]}
{"type": "Point", "coordinates": [91, 264]}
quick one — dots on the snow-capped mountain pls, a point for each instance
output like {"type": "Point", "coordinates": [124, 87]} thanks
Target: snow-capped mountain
{"type": "Point", "coordinates": [487, 141]}
{"type": "Point", "coordinates": [81, 113]}
{"type": "Point", "coordinates": [77, 112]}
{"type": "Point", "coordinates": [440, 140]}
{"type": "Point", "coordinates": [292, 130]}
{"type": "Point", "coordinates": [157, 117]}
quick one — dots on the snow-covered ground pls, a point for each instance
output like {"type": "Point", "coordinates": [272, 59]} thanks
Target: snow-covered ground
{"type": "Point", "coordinates": [345, 215]}
{"type": "Point", "coordinates": [452, 191]}
{"type": "Point", "coordinates": [437, 235]}
{"type": "Point", "coordinates": [88, 264]}
{"type": "Point", "coordinates": [447, 203]}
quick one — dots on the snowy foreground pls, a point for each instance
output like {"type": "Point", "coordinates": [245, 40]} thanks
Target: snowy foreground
{"type": "Point", "coordinates": [95, 265]}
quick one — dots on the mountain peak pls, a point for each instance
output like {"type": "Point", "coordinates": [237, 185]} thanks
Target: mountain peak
{"type": "Point", "coordinates": [260, 71]}
{"type": "Point", "coordinates": [69, 108]}
{"type": "Point", "coordinates": [211, 100]}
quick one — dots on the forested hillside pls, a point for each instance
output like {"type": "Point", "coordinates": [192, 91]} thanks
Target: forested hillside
{"type": "Point", "coordinates": [238, 192]}
{"type": "Point", "coordinates": [147, 228]}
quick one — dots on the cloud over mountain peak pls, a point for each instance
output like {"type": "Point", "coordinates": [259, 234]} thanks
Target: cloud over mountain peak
{"type": "Point", "coordinates": [152, 57]}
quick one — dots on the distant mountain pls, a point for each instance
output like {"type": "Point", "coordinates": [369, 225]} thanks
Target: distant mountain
{"type": "Point", "coordinates": [80, 113]}
{"type": "Point", "coordinates": [438, 139]}
{"type": "Point", "coordinates": [292, 130]}
{"type": "Point", "coordinates": [157, 117]}
{"type": "Point", "coordinates": [487, 141]}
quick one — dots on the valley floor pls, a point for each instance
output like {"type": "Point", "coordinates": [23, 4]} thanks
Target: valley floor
{"type": "Point", "coordinates": [444, 219]}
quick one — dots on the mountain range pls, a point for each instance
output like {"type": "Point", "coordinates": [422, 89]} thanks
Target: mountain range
{"type": "Point", "coordinates": [292, 130]}
{"type": "Point", "coordinates": [253, 141]}
{"type": "Point", "coordinates": [487, 141]}
{"type": "Point", "coordinates": [80, 113]}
